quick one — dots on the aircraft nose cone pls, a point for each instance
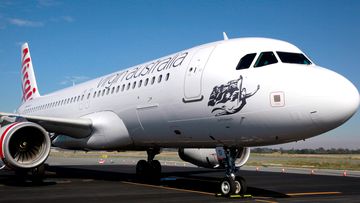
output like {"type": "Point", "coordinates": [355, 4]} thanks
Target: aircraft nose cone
{"type": "Point", "coordinates": [338, 100]}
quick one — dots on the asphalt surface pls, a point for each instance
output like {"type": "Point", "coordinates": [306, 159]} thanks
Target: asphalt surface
{"type": "Point", "coordinates": [111, 182]}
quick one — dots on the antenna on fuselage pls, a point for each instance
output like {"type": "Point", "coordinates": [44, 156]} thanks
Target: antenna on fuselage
{"type": "Point", "coordinates": [225, 36]}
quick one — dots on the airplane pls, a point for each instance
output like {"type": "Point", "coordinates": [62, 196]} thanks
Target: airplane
{"type": "Point", "coordinates": [211, 102]}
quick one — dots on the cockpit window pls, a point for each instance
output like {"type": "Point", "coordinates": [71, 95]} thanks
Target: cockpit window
{"type": "Point", "coordinates": [245, 61]}
{"type": "Point", "coordinates": [266, 58]}
{"type": "Point", "coordinates": [296, 58]}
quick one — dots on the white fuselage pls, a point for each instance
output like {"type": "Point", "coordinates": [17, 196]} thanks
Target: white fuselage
{"type": "Point", "coordinates": [197, 98]}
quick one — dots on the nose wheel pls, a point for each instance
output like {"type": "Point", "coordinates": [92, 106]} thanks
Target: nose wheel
{"type": "Point", "coordinates": [232, 184]}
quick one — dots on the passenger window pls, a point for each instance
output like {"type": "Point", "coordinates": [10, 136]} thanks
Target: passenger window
{"type": "Point", "coordinates": [159, 79]}
{"type": "Point", "coordinates": [112, 90]}
{"type": "Point", "coordinates": [123, 87]}
{"type": "Point", "coordinates": [167, 76]}
{"type": "Point", "coordinates": [146, 81]}
{"type": "Point", "coordinates": [134, 85]}
{"type": "Point", "coordinates": [118, 88]}
{"type": "Point", "coordinates": [108, 91]}
{"type": "Point", "coordinates": [128, 86]}
{"type": "Point", "coordinates": [153, 80]}
{"type": "Point", "coordinates": [140, 82]}
{"type": "Point", "coordinates": [266, 58]}
{"type": "Point", "coordinates": [245, 61]}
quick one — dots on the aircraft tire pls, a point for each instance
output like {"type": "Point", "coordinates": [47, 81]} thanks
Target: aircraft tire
{"type": "Point", "coordinates": [242, 183]}
{"type": "Point", "coordinates": [142, 168]}
{"type": "Point", "coordinates": [156, 166]}
{"type": "Point", "coordinates": [37, 174]}
{"type": "Point", "coordinates": [227, 186]}
{"type": "Point", "coordinates": [20, 175]}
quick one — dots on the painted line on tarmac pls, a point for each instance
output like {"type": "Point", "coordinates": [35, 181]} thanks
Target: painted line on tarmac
{"type": "Point", "coordinates": [313, 193]}
{"type": "Point", "coordinates": [63, 181]}
{"type": "Point", "coordinates": [168, 188]}
{"type": "Point", "coordinates": [197, 179]}
{"type": "Point", "coordinates": [261, 200]}
{"type": "Point", "coordinates": [185, 190]}
{"type": "Point", "coordinates": [87, 180]}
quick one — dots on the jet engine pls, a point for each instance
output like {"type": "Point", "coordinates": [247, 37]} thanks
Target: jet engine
{"type": "Point", "coordinates": [24, 145]}
{"type": "Point", "coordinates": [209, 158]}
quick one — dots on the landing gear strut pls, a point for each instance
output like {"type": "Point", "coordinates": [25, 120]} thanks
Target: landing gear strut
{"type": "Point", "coordinates": [150, 169]}
{"type": "Point", "coordinates": [231, 184]}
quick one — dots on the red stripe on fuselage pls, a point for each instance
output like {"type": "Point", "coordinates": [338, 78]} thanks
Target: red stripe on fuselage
{"type": "Point", "coordinates": [2, 139]}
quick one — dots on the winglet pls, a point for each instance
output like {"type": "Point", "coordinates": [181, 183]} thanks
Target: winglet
{"type": "Point", "coordinates": [225, 36]}
{"type": "Point", "coordinates": [29, 86]}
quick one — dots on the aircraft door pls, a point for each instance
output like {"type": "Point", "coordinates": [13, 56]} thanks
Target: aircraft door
{"type": "Point", "coordinates": [194, 73]}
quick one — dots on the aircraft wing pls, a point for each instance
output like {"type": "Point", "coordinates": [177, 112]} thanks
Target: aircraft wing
{"type": "Point", "coordinates": [73, 127]}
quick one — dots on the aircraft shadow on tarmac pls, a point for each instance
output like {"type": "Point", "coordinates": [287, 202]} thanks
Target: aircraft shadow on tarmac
{"type": "Point", "coordinates": [189, 179]}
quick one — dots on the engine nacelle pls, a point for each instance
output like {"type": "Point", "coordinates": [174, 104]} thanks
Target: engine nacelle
{"type": "Point", "coordinates": [208, 158]}
{"type": "Point", "coordinates": [24, 145]}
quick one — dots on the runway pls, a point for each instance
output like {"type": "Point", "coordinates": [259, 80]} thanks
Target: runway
{"type": "Point", "coordinates": [118, 183]}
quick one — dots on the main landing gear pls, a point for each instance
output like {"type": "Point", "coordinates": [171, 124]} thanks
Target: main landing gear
{"type": "Point", "coordinates": [231, 184]}
{"type": "Point", "coordinates": [151, 169]}
{"type": "Point", "coordinates": [35, 175]}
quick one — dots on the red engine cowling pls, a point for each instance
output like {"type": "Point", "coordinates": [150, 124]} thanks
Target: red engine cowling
{"type": "Point", "coordinates": [207, 157]}
{"type": "Point", "coordinates": [24, 145]}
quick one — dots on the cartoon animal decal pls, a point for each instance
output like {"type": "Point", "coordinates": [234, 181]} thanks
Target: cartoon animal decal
{"type": "Point", "coordinates": [229, 98]}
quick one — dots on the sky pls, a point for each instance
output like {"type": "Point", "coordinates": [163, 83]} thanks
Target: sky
{"type": "Point", "coordinates": [72, 41]}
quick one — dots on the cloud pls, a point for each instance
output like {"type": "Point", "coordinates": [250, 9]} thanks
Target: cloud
{"type": "Point", "coordinates": [5, 3]}
{"type": "Point", "coordinates": [25, 23]}
{"type": "Point", "coordinates": [2, 22]}
{"type": "Point", "coordinates": [67, 19]}
{"type": "Point", "coordinates": [73, 80]}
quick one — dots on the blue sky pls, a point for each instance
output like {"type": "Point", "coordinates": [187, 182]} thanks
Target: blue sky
{"type": "Point", "coordinates": [78, 40]}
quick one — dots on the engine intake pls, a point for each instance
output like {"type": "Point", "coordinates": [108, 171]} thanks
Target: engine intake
{"type": "Point", "coordinates": [24, 145]}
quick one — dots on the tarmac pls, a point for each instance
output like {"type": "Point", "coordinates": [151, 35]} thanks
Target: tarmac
{"type": "Point", "coordinates": [104, 180]}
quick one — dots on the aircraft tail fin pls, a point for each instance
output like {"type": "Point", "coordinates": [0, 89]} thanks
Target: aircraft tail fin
{"type": "Point", "coordinates": [29, 86]}
{"type": "Point", "coordinates": [225, 36]}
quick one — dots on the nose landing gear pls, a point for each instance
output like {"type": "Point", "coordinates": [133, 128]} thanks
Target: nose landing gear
{"type": "Point", "coordinates": [232, 184]}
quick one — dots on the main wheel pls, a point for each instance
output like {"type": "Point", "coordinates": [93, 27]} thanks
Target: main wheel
{"type": "Point", "coordinates": [38, 174]}
{"type": "Point", "coordinates": [156, 166]}
{"type": "Point", "coordinates": [154, 173]}
{"type": "Point", "coordinates": [21, 175]}
{"type": "Point", "coordinates": [142, 168]}
{"type": "Point", "coordinates": [227, 186]}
